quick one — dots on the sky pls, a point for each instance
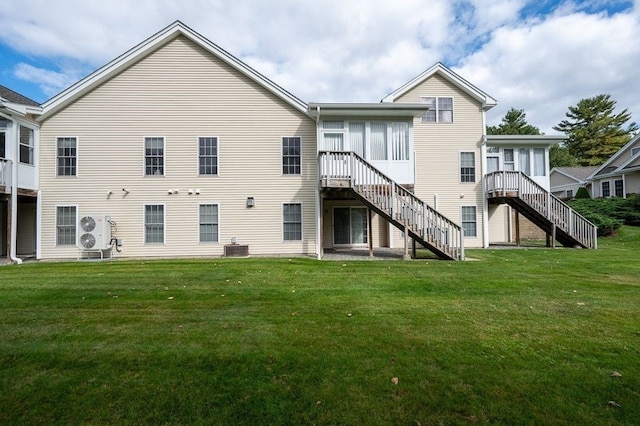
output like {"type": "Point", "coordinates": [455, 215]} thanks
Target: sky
{"type": "Point", "coordinates": [541, 56]}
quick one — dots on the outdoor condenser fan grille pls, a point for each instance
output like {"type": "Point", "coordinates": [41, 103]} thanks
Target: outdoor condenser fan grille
{"type": "Point", "coordinates": [88, 224]}
{"type": "Point", "coordinates": [88, 240]}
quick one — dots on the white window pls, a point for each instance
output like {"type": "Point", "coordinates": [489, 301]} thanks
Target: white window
{"type": "Point", "coordinates": [67, 156]}
{"type": "Point", "coordinates": [378, 141]}
{"type": "Point", "coordinates": [618, 188]}
{"type": "Point", "coordinates": [493, 159]}
{"type": "Point", "coordinates": [356, 137]}
{"type": "Point", "coordinates": [569, 193]}
{"type": "Point", "coordinates": [153, 156]}
{"type": "Point", "coordinates": [400, 141]}
{"type": "Point", "coordinates": [208, 223]}
{"type": "Point", "coordinates": [66, 225]}
{"type": "Point", "coordinates": [440, 111]}
{"type": "Point", "coordinates": [606, 189]}
{"type": "Point", "coordinates": [524, 161]}
{"type": "Point", "coordinates": [634, 151]}
{"type": "Point", "coordinates": [291, 155]}
{"type": "Point", "coordinates": [292, 222]}
{"type": "Point", "coordinates": [469, 221]}
{"type": "Point", "coordinates": [467, 167]}
{"type": "Point", "coordinates": [208, 156]}
{"type": "Point", "coordinates": [154, 223]}
{"type": "Point", "coordinates": [539, 168]}
{"type": "Point", "coordinates": [26, 145]}
{"type": "Point", "coordinates": [509, 163]}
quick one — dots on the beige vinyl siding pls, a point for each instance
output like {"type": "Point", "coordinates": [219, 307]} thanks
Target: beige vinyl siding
{"type": "Point", "coordinates": [499, 223]}
{"type": "Point", "coordinates": [632, 183]}
{"type": "Point", "coordinates": [438, 147]}
{"type": "Point", "coordinates": [181, 92]}
{"type": "Point", "coordinates": [626, 156]}
{"type": "Point", "coordinates": [558, 179]}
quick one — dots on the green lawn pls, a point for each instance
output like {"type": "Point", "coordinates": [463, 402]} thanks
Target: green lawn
{"type": "Point", "coordinates": [516, 337]}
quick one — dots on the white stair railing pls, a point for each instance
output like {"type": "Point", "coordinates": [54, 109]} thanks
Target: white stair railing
{"type": "Point", "coordinates": [347, 169]}
{"type": "Point", "coordinates": [507, 184]}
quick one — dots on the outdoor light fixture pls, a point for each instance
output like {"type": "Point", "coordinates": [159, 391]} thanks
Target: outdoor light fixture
{"type": "Point", "coordinates": [251, 202]}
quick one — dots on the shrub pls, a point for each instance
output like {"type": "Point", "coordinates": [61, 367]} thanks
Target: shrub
{"type": "Point", "coordinates": [582, 193]}
{"type": "Point", "coordinates": [608, 214]}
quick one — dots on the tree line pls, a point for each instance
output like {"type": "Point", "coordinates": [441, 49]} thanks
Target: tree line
{"type": "Point", "coordinates": [594, 131]}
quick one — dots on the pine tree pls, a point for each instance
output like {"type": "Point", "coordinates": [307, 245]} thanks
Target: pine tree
{"type": "Point", "coordinates": [594, 131]}
{"type": "Point", "coordinates": [514, 123]}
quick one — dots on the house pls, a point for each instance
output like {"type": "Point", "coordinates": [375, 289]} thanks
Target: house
{"type": "Point", "coordinates": [565, 181]}
{"type": "Point", "coordinates": [18, 174]}
{"type": "Point", "coordinates": [177, 148]}
{"type": "Point", "coordinates": [619, 176]}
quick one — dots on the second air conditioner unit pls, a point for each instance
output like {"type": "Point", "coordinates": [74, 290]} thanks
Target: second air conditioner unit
{"type": "Point", "coordinates": [95, 232]}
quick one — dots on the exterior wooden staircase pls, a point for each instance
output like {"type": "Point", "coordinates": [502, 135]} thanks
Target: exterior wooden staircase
{"type": "Point", "coordinates": [542, 208]}
{"type": "Point", "coordinates": [393, 202]}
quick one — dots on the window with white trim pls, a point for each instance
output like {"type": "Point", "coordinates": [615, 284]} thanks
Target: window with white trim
{"type": "Point", "coordinates": [208, 223]}
{"type": "Point", "coordinates": [378, 143]}
{"type": "Point", "coordinates": [154, 223]}
{"type": "Point", "coordinates": [606, 189]}
{"type": "Point", "coordinates": [67, 156]}
{"type": "Point", "coordinates": [292, 222]}
{"type": "Point", "coordinates": [569, 193]}
{"type": "Point", "coordinates": [440, 111]}
{"type": "Point", "coordinates": [154, 156]}
{"type": "Point", "coordinates": [634, 151]}
{"type": "Point", "coordinates": [469, 221]}
{"type": "Point", "coordinates": [467, 167]}
{"type": "Point", "coordinates": [618, 188]}
{"type": "Point", "coordinates": [524, 161]}
{"type": "Point", "coordinates": [208, 156]}
{"type": "Point", "coordinates": [291, 156]}
{"type": "Point", "coordinates": [66, 220]}
{"type": "Point", "coordinates": [508, 159]}
{"type": "Point", "coordinates": [539, 168]}
{"type": "Point", "coordinates": [26, 145]}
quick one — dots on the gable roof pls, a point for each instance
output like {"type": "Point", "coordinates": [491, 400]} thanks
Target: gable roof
{"type": "Point", "coordinates": [487, 101]}
{"type": "Point", "coordinates": [150, 45]}
{"type": "Point", "coordinates": [608, 168]}
{"type": "Point", "coordinates": [9, 95]}
{"type": "Point", "coordinates": [579, 174]}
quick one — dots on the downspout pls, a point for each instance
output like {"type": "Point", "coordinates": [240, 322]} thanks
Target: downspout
{"type": "Point", "coordinates": [318, 189]}
{"type": "Point", "coordinates": [14, 194]}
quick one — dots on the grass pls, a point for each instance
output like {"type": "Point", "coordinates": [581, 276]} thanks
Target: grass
{"type": "Point", "coordinates": [519, 336]}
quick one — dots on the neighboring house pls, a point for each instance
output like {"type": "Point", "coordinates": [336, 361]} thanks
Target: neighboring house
{"type": "Point", "coordinates": [177, 148]}
{"type": "Point", "coordinates": [18, 174]}
{"type": "Point", "coordinates": [619, 176]}
{"type": "Point", "coordinates": [565, 181]}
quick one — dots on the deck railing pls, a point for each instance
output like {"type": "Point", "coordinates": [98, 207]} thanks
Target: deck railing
{"type": "Point", "coordinates": [347, 169]}
{"type": "Point", "coordinates": [505, 183]}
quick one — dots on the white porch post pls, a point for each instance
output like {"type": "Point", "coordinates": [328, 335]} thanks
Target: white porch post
{"type": "Point", "coordinates": [485, 202]}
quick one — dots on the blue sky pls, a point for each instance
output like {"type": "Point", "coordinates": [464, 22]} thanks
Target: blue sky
{"type": "Point", "coordinates": [540, 56]}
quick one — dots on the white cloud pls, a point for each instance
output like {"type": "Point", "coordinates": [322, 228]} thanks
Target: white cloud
{"type": "Point", "coordinates": [551, 64]}
{"type": "Point", "coordinates": [357, 50]}
{"type": "Point", "coordinates": [50, 82]}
